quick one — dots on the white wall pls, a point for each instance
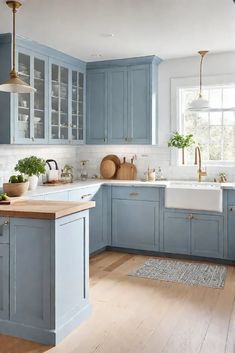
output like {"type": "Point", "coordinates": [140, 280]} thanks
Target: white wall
{"type": "Point", "coordinates": [214, 64]}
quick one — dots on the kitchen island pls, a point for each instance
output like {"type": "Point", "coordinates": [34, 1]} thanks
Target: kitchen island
{"type": "Point", "coordinates": [44, 269]}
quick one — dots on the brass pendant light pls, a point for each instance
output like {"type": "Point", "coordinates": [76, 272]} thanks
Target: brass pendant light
{"type": "Point", "coordinates": [15, 84]}
{"type": "Point", "coordinates": [200, 103]}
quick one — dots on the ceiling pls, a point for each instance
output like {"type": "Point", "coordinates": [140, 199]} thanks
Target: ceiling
{"type": "Point", "coordinates": [167, 28]}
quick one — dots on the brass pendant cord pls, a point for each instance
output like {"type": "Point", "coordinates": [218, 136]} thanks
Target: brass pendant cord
{"type": "Point", "coordinates": [14, 39]}
{"type": "Point", "coordinates": [202, 53]}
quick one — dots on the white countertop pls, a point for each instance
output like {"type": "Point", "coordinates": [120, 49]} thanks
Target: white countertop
{"type": "Point", "coordinates": [98, 182]}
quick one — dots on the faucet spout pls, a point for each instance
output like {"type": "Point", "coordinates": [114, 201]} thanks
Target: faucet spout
{"type": "Point", "coordinates": [198, 161]}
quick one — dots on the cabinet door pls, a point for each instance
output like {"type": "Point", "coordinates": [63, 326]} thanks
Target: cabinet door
{"type": "Point", "coordinates": [139, 120]}
{"type": "Point", "coordinates": [97, 237]}
{"type": "Point", "coordinates": [135, 224]}
{"type": "Point", "coordinates": [117, 106]}
{"type": "Point", "coordinates": [97, 107]}
{"type": "Point", "coordinates": [4, 281]}
{"type": "Point", "coordinates": [176, 233]}
{"type": "Point", "coordinates": [32, 109]}
{"type": "Point", "coordinates": [4, 230]}
{"type": "Point", "coordinates": [231, 234]}
{"type": "Point", "coordinates": [207, 236]}
{"type": "Point", "coordinates": [77, 124]}
{"type": "Point", "coordinates": [30, 266]}
{"type": "Point", "coordinates": [59, 105]}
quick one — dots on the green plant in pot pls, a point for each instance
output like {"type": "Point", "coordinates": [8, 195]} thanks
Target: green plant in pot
{"type": "Point", "coordinates": [181, 141]}
{"type": "Point", "coordinates": [32, 167]}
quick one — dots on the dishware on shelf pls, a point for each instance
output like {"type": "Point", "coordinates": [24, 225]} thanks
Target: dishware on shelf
{"type": "Point", "coordinates": [23, 117]}
{"type": "Point", "coordinates": [37, 120]}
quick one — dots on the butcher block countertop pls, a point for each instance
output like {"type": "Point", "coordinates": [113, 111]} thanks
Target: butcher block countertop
{"type": "Point", "coordinates": [41, 209]}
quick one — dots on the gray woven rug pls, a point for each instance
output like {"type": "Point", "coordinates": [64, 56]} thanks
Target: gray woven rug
{"type": "Point", "coordinates": [192, 273]}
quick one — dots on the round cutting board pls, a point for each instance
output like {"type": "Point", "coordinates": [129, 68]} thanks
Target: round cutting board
{"type": "Point", "coordinates": [113, 158]}
{"type": "Point", "coordinates": [108, 169]}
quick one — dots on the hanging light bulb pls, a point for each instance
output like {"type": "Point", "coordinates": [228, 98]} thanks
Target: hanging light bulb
{"type": "Point", "coordinates": [14, 84]}
{"type": "Point", "coordinates": [200, 103]}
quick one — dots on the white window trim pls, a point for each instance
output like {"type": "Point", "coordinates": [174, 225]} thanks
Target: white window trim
{"type": "Point", "coordinates": [175, 121]}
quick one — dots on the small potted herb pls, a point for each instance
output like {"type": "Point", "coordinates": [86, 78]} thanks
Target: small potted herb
{"type": "Point", "coordinates": [181, 141]}
{"type": "Point", "coordinates": [32, 167]}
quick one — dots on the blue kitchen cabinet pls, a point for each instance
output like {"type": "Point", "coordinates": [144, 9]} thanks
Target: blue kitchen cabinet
{"type": "Point", "coordinates": [135, 224]}
{"type": "Point", "coordinates": [176, 233]}
{"type": "Point", "coordinates": [98, 216]}
{"type": "Point", "coordinates": [231, 233]}
{"type": "Point", "coordinates": [97, 110]}
{"type": "Point", "coordinates": [122, 101]}
{"type": "Point", "coordinates": [55, 112]}
{"type": "Point", "coordinates": [139, 105]}
{"type": "Point", "coordinates": [117, 106]}
{"type": "Point", "coordinates": [4, 281]}
{"type": "Point", "coordinates": [207, 236]}
{"type": "Point", "coordinates": [193, 234]}
{"type": "Point", "coordinates": [98, 221]}
{"type": "Point", "coordinates": [30, 266]}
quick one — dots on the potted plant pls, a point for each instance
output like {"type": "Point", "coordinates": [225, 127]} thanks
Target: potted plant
{"type": "Point", "coordinates": [181, 141]}
{"type": "Point", "coordinates": [32, 167]}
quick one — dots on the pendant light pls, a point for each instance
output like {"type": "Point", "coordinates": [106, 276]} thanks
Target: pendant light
{"type": "Point", "coordinates": [15, 84]}
{"type": "Point", "coordinates": [200, 104]}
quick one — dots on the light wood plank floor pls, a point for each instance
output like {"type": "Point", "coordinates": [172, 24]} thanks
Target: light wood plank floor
{"type": "Point", "coordinates": [134, 315]}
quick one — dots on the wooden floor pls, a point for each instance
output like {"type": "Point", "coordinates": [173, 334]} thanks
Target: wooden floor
{"type": "Point", "coordinates": [134, 315]}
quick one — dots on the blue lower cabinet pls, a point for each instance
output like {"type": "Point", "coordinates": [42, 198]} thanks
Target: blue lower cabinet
{"type": "Point", "coordinates": [30, 268]}
{"type": "Point", "coordinates": [207, 236]}
{"type": "Point", "coordinates": [231, 233]}
{"type": "Point", "coordinates": [135, 224]}
{"type": "Point", "coordinates": [176, 233]}
{"type": "Point", "coordinates": [97, 236]}
{"type": "Point", "coordinates": [4, 281]}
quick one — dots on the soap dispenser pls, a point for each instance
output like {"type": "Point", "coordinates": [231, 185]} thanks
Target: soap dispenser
{"type": "Point", "coordinates": [84, 173]}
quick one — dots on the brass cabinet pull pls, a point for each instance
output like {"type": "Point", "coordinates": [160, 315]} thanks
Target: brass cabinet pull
{"type": "Point", "coordinates": [4, 224]}
{"type": "Point", "coordinates": [189, 217]}
{"type": "Point", "coordinates": [134, 194]}
{"type": "Point", "coordinates": [87, 195]}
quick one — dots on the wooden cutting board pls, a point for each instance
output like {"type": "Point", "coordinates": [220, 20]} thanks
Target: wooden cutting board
{"type": "Point", "coordinates": [108, 169]}
{"type": "Point", "coordinates": [127, 171]}
{"type": "Point", "coordinates": [12, 200]}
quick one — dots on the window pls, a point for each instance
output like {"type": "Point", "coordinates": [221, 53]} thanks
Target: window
{"type": "Point", "coordinates": [213, 131]}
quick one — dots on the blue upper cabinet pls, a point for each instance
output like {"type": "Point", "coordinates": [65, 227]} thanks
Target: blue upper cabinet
{"type": "Point", "coordinates": [122, 106]}
{"type": "Point", "coordinates": [97, 114]}
{"type": "Point", "coordinates": [55, 112]}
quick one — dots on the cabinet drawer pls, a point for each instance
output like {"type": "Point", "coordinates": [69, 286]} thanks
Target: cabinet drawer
{"type": "Point", "coordinates": [4, 230]}
{"type": "Point", "coordinates": [57, 196]}
{"type": "Point", "coordinates": [83, 194]}
{"type": "Point", "coordinates": [136, 193]}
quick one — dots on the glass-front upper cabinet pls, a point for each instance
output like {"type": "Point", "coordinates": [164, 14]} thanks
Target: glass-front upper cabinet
{"type": "Point", "coordinates": [67, 105]}
{"type": "Point", "coordinates": [31, 117]}
{"type": "Point", "coordinates": [77, 106]}
{"type": "Point", "coordinates": [59, 103]}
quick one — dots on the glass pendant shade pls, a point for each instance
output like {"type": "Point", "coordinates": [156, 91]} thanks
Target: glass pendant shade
{"type": "Point", "coordinates": [199, 104]}
{"type": "Point", "coordinates": [14, 84]}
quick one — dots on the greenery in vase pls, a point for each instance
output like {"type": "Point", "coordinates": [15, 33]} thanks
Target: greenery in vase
{"type": "Point", "coordinates": [181, 141]}
{"type": "Point", "coordinates": [31, 166]}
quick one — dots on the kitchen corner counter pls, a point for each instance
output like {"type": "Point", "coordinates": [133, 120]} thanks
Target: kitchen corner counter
{"type": "Point", "coordinates": [49, 210]}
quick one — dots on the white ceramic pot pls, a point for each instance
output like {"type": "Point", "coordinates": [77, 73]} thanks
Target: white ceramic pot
{"type": "Point", "coordinates": [33, 182]}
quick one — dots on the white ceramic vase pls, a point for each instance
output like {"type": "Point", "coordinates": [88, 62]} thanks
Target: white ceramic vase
{"type": "Point", "coordinates": [33, 182]}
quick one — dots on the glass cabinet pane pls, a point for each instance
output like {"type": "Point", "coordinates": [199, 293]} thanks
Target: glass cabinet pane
{"type": "Point", "coordinates": [59, 102]}
{"type": "Point", "coordinates": [77, 105]}
{"type": "Point", "coordinates": [39, 99]}
{"type": "Point", "coordinates": [23, 121]}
